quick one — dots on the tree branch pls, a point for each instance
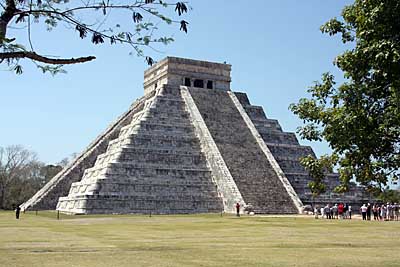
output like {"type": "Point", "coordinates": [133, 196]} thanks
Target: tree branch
{"type": "Point", "coordinates": [6, 17]}
{"type": "Point", "coordinates": [43, 59]}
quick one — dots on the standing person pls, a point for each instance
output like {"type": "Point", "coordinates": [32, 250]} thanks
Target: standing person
{"type": "Point", "coordinates": [335, 212]}
{"type": "Point", "coordinates": [375, 212]}
{"type": "Point", "coordinates": [383, 212]}
{"type": "Point", "coordinates": [17, 211]}
{"type": "Point", "coordinates": [379, 212]}
{"type": "Point", "coordinates": [341, 210]}
{"type": "Point", "coordinates": [237, 209]}
{"type": "Point", "coordinates": [327, 211]}
{"type": "Point", "coordinates": [349, 210]}
{"type": "Point", "coordinates": [346, 211]}
{"type": "Point", "coordinates": [363, 210]}
{"type": "Point", "coordinates": [316, 212]}
{"type": "Point", "coordinates": [392, 211]}
{"type": "Point", "coordinates": [388, 211]}
{"type": "Point", "coordinates": [322, 212]}
{"type": "Point", "coordinates": [369, 212]}
{"type": "Point", "coordinates": [396, 211]}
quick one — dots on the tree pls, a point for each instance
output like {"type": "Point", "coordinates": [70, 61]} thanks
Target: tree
{"type": "Point", "coordinates": [17, 165]}
{"type": "Point", "coordinates": [49, 171]}
{"type": "Point", "coordinates": [21, 175]}
{"type": "Point", "coordinates": [389, 195]}
{"type": "Point", "coordinates": [360, 118]}
{"type": "Point", "coordinates": [317, 168]}
{"type": "Point", "coordinates": [25, 185]}
{"type": "Point", "coordinates": [99, 20]}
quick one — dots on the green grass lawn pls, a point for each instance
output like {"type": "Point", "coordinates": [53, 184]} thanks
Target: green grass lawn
{"type": "Point", "coordinates": [194, 240]}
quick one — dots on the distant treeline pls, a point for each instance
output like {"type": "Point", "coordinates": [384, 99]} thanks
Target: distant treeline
{"type": "Point", "coordinates": [22, 174]}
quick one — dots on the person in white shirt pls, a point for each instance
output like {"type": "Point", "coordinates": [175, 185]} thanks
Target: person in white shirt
{"type": "Point", "coordinates": [349, 211]}
{"type": "Point", "coordinates": [363, 210]}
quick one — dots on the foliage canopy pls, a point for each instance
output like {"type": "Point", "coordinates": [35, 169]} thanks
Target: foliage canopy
{"type": "Point", "coordinates": [360, 118]}
{"type": "Point", "coordinates": [97, 20]}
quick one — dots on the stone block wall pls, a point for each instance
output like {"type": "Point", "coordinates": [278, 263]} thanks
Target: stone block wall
{"type": "Point", "coordinates": [251, 170]}
{"type": "Point", "coordinates": [173, 71]}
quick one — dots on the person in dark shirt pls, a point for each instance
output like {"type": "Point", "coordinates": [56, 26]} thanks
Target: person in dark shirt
{"type": "Point", "coordinates": [17, 211]}
{"type": "Point", "coordinates": [238, 209]}
{"type": "Point", "coordinates": [369, 212]}
{"type": "Point", "coordinates": [375, 212]}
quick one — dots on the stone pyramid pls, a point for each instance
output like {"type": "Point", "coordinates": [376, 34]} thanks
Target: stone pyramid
{"type": "Point", "coordinates": [190, 145]}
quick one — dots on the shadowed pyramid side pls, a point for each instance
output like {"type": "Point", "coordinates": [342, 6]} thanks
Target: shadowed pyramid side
{"type": "Point", "coordinates": [287, 151]}
{"type": "Point", "coordinates": [252, 171]}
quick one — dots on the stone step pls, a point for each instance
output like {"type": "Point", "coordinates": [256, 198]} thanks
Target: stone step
{"type": "Point", "coordinates": [170, 100]}
{"type": "Point", "coordinates": [130, 169]}
{"type": "Point", "coordinates": [154, 176]}
{"type": "Point", "coordinates": [163, 143]}
{"type": "Point", "coordinates": [148, 197]}
{"type": "Point", "coordinates": [167, 109]}
{"type": "Point", "coordinates": [103, 187]}
{"type": "Point", "coordinates": [290, 152]}
{"type": "Point", "coordinates": [159, 139]}
{"type": "Point", "coordinates": [266, 127]}
{"type": "Point", "coordinates": [168, 128]}
{"type": "Point", "coordinates": [157, 176]}
{"type": "Point", "coordinates": [122, 205]}
{"type": "Point", "coordinates": [279, 137]}
{"type": "Point", "coordinates": [267, 121]}
{"type": "Point", "coordinates": [133, 150]}
{"type": "Point", "coordinates": [255, 111]}
{"type": "Point", "coordinates": [190, 151]}
{"type": "Point", "coordinates": [170, 159]}
{"type": "Point", "coordinates": [172, 114]}
{"type": "Point", "coordinates": [243, 99]}
{"type": "Point", "coordinates": [142, 137]}
{"type": "Point", "coordinates": [290, 166]}
{"type": "Point", "coordinates": [202, 180]}
{"type": "Point", "coordinates": [162, 119]}
{"type": "Point", "coordinates": [162, 136]}
{"type": "Point", "coordinates": [167, 121]}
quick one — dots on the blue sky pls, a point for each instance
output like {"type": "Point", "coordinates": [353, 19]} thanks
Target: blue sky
{"type": "Point", "coordinates": [275, 48]}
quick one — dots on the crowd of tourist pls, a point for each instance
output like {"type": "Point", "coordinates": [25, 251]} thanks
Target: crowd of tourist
{"type": "Point", "coordinates": [342, 211]}
{"type": "Point", "coordinates": [380, 212]}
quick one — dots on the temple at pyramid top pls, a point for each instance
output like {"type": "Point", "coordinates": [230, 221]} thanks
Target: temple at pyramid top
{"type": "Point", "coordinates": [188, 72]}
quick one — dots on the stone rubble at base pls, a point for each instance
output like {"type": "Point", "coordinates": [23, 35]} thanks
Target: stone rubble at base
{"type": "Point", "coordinates": [190, 145]}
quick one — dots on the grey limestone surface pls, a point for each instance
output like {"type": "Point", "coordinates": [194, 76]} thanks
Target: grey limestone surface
{"type": "Point", "coordinates": [251, 170]}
